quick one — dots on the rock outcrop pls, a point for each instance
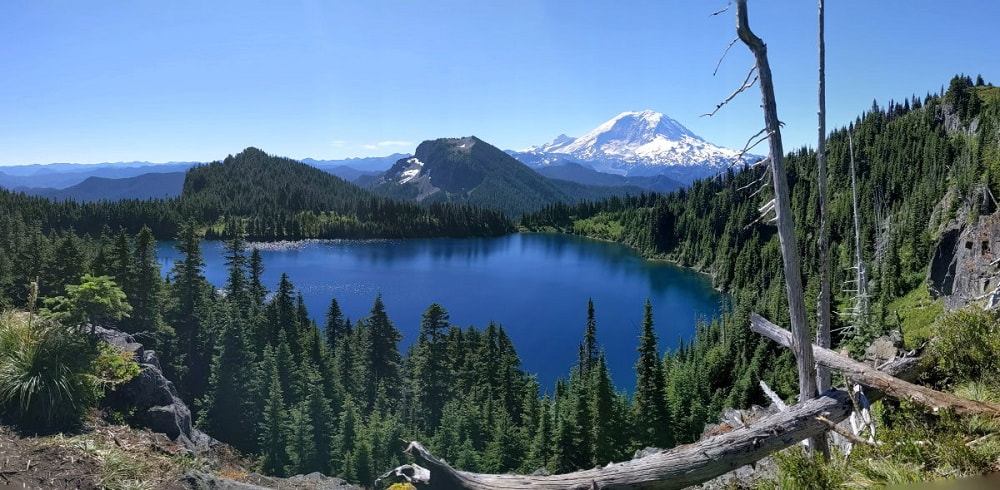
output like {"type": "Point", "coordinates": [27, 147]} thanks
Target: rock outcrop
{"type": "Point", "coordinates": [965, 264]}
{"type": "Point", "coordinates": [151, 397]}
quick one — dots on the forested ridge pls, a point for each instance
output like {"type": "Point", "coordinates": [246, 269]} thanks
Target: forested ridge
{"type": "Point", "coordinates": [340, 396]}
{"type": "Point", "coordinates": [472, 171]}
{"type": "Point", "coordinates": [917, 163]}
{"type": "Point", "coordinates": [271, 198]}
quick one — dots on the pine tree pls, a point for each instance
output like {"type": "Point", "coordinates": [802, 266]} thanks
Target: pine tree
{"type": "Point", "coordinates": [189, 306]}
{"type": "Point", "coordinates": [651, 418]}
{"type": "Point", "coordinates": [540, 454]}
{"type": "Point", "coordinates": [257, 291]}
{"type": "Point", "coordinates": [321, 415]}
{"type": "Point", "coordinates": [274, 427]}
{"type": "Point", "coordinates": [121, 260]}
{"type": "Point", "coordinates": [590, 339]}
{"type": "Point", "coordinates": [301, 449]}
{"type": "Point", "coordinates": [283, 314]}
{"type": "Point", "coordinates": [603, 413]}
{"type": "Point", "coordinates": [345, 440]}
{"type": "Point", "coordinates": [224, 409]}
{"type": "Point", "coordinates": [381, 354]}
{"type": "Point", "coordinates": [236, 262]}
{"type": "Point", "coordinates": [335, 328]}
{"type": "Point", "coordinates": [430, 371]}
{"type": "Point", "coordinates": [144, 287]}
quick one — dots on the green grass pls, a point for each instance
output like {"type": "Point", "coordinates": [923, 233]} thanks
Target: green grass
{"type": "Point", "coordinates": [46, 372]}
{"type": "Point", "coordinates": [916, 312]}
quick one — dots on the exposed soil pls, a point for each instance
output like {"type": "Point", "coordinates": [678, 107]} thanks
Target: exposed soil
{"type": "Point", "coordinates": [103, 455]}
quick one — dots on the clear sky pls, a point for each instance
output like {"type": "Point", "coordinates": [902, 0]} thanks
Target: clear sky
{"type": "Point", "coordinates": [96, 81]}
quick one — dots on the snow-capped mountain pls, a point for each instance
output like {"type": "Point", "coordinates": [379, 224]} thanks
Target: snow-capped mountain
{"type": "Point", "coordinates": [637, 143]}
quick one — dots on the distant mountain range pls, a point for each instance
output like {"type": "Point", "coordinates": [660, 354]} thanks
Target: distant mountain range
{"type": "Point", "coordinates": [471, 171]}
{"type": "Point", "coordinates": [643, 143]}
{"type": "Point", "coordinates": [633, 152]}
{"type": "Point", "coordinates": [145, 186]}
{"type": "Point", "coordinates": [63, 175]}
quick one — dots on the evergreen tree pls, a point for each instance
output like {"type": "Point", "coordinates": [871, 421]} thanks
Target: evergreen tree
{"type": "Point", "coordinates": [603, 424]}
{"type": "Point", "coordinates": [651, 418]}
{"type": "Point", "coordinates": [283, 315]}
{"type": "Point", "coordinates": [236, 262]}
{"type": "Point", "coordinates": [590, 339]}
{"type": "Point", "coordinates": [273, 431]}
{"type": "Point", "coordinates": [336, 328]}
{"type": "Point", "coordinates": [381, 354]}
{"type": "Point", "coordinates": [257, 290]}
{"type": "Point", "coordinates": [540, 454]}
{"type": "Point", "coordinates": [344, 442]}
{"type": "Point", "coordinates": [189, 307]}
{"type": "Point", "coordinates": [224, 411]}
{"type": "Point", "coordinates": [430, 371]}
{"type": "Point", "coordinates": [301, 449]}
{"type": "Point", "coordinates": [144, 287]}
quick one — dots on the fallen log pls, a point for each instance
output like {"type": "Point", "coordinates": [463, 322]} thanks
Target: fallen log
{"type": "Point", "coordinates": [879, 380]}
{"type": "Point", "coordinates": [679, 467]}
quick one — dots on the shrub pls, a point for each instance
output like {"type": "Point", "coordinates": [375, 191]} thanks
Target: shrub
{"type": "Point", "coordinates": [46, 372]}
{"type": "Point", "coordinates": [967, 344]}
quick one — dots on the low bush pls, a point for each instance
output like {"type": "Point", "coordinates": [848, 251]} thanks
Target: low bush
{"type": "Point", "coordinates": [47, 377]}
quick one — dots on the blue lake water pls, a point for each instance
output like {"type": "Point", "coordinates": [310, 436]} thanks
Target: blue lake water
{"type": "Point", "coordinates": [535, 285]}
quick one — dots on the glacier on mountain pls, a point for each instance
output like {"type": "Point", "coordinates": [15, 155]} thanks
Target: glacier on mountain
{"type": "Point", "coordinates": [638, 143]}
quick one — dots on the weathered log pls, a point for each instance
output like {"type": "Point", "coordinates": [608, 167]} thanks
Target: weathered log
{"type": "Point", "coordinates": [680, 467]}
{"type": "Point", "coordinates": [869, 376]}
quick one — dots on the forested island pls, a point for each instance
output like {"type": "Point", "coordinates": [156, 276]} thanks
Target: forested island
{"type": "Point", "coordinates": [341, 396]}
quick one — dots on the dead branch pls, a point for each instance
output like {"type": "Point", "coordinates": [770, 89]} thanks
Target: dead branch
{"type": "Point", "coordinates": [869, 376]}
{"type": "Point", "coordinates": [846, 434]}
{"type": "Point", "coordinates": [675, 468]}
{"type": "Point", "coordinates": [747, 83]}
{"type": "Point", "coordinates": [724, 53]}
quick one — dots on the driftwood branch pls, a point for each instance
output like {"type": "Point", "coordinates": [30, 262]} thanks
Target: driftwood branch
{"type": "Point", "coordinates": [879, 380]}
{"type": "Point", "coordinates": [680, 467]}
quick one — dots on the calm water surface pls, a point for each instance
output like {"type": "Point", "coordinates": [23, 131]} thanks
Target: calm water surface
{"type": "Point", "coordinates": [535, 285]}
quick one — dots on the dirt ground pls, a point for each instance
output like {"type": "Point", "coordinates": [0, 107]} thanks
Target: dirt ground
{"type": "Point", "coordinates": [103, 455]}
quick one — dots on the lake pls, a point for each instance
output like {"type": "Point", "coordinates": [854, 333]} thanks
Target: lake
{"type": "Point", "coordinates": [535, 285]}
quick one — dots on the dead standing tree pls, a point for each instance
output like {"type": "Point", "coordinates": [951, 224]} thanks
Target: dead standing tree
{"type": "Point", "coordinates": [823, 327]}
{"type": "Point", "coordinates": [802, 344]}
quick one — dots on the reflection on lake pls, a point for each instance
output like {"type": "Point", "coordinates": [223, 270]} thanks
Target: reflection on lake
{"type": "Point", "coordinates": [535, 285]}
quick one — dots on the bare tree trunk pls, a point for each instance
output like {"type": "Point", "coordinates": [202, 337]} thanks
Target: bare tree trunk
{"type": "Point", "coordinates": [823, 327]}
{"type": "Point", "coordinates": [861, 300]}
{"type": "Point", "coordinates": [786, 227]}
{"type": "Point", "coordinates": [879, 380]}
{"type": "Point", "coordinates": [680, 467]}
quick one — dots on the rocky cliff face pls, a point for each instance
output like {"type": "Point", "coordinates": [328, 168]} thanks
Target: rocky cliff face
{"type": "Point", "coordinates": [153, 397]}
{"type": "Point", "coordinates": [966, 264]}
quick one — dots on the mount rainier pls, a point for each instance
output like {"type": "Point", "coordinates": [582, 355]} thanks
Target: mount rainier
{"type": "Point", "coordinates": [637, 144]}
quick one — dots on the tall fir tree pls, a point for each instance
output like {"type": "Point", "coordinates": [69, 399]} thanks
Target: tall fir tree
{"type": "Point", "coordinates": [256, 287]}
{"type": "Point", "coordinates": [430, 371]}
{"type": "Point", "coordinates": [335, 328]}
{"type": "Point", "coordinates": [381, 354]}
{"type": "Point", "coordinates": [273, 431]}
{"type": "Point", "coordinates": [652, 422]}
{"type": "Point", "coordinates": [189, 307]}
{"type": "Point", "coordinates": [225, 409]}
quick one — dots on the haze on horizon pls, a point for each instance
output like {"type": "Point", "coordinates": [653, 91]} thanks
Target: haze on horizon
{"type": "Point", "coordinates": [91, 82]}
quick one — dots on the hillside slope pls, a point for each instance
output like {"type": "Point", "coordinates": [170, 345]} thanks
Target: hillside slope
{"type": "Point", "coordinates": [282, 198]}
{"type": "Point", "coordinates": [146, 186]}
{"type": "Point", "coordinates": [471, 171]}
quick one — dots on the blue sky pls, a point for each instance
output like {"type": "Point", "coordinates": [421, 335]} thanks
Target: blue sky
{"type": "Point", "coordinates": [89, 81]}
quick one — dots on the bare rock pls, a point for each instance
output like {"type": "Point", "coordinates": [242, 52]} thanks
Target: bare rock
{"type": "Point", "coordinates": [152, 397]}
